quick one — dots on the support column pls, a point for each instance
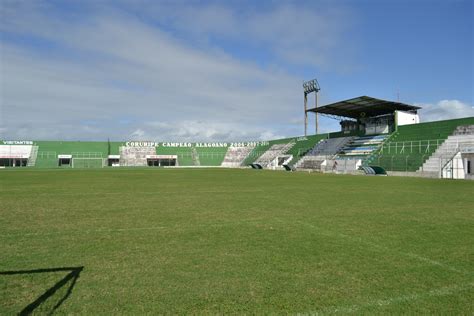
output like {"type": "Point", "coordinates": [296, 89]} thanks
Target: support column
{"type": "Point", "coordinates": [317, 115]}
{"type": "Point", "coordinates": [305, 114]}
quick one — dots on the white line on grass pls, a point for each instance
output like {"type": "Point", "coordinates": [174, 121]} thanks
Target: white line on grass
{"type": "Point", "coordinates": [374, 245]}
{"type": "Point", "coordinates": [444, 291]}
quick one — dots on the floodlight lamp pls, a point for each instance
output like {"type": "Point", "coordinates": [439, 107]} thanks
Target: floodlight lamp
{"type": "Point", "coordinates": [311, 86]}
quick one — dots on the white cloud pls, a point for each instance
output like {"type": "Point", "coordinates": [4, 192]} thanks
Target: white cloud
{"type": "Point", "coordinates": [137, 134]}
{"type": "Point", "coordinates": [445, 109]}
{"type": "Point", "coordinates": [132, 70]}
{"type": "Point", "coordinates": [136, 79]}
{"type": "Point", "coordinates": [209, 130]}
{"type": "Point", "coordinates": [312, 36]}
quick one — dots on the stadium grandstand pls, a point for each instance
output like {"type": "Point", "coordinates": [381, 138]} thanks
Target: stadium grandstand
{"type": "Point", "coordinates": [374, 133]}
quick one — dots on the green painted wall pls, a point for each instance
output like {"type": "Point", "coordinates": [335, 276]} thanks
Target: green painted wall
{"type": "Point", "coordinates": [213, 156]}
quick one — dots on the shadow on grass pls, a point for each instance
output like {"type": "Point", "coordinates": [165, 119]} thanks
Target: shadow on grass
{"type": "Point", "coordinates": [71, 278]}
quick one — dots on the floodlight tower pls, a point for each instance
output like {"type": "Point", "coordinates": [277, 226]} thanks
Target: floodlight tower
{"type": "Point", "coordinates": [308, 87]}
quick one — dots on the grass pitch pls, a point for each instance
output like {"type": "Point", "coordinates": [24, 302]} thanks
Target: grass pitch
{"type": "Point", "coordinates": [233, 241]}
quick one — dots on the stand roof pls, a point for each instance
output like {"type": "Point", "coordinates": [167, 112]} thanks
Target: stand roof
{"type": "Point", "coordinates": [363, 106]}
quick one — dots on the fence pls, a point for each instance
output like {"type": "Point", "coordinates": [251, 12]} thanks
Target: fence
{"type": "Point", "coordinates": [400, 162]}
{"type": "Point", "coordinates": [411, 147]}
{"type": "Point", "coordinates": [87, 154]}
{"type": "Point", "coordinates": [47, 155]}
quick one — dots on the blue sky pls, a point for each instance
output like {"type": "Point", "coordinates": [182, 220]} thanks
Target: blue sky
{"type": "Point", "coordinates": [224, 70]}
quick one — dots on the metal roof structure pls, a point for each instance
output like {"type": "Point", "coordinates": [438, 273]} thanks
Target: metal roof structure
{"type": "Point", "coordinates": [363, 106]}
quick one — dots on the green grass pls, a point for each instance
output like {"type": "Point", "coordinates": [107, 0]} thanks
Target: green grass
{"type": "Point", "coordinates": [236, 241]}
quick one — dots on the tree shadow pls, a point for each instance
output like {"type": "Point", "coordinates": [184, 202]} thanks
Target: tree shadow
{"type": "Point", "coordinates": [71, 277]}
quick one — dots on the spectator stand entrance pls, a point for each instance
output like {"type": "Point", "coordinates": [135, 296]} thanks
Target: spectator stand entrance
{"type": "Point", "coordinates": [162, 160]}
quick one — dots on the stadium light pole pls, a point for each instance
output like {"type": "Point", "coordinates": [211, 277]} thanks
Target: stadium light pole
{"type": "Point", "coordinates": [309, 87]}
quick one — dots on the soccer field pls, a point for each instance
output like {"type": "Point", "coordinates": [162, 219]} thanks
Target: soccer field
{"type": "Point", "coordinates": [174, 241]}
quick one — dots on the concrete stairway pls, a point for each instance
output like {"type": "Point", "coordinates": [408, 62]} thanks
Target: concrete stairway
{"type": "Point", "coordinates": [33, 156]}
{"type": "Point", "coordinates": [324, 149]}
{"type": "Point", "coordinates": [273, 152]}
{"type": "Point", "coordinates": [135, 156]}
{"type": "Point", "coordinates": [463, 136]}
{"type": "Point", "coordinates": [195, 157]}
{"type": "Point", "coordinates": [236, 155]}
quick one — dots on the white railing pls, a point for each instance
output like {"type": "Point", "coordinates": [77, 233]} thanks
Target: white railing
{"type": "Point", "coordinates": [407, 147]}
{"type": "Point", "coordinates": [47, 155]}
{"type": "Point", "coordinates": [81, 154]}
